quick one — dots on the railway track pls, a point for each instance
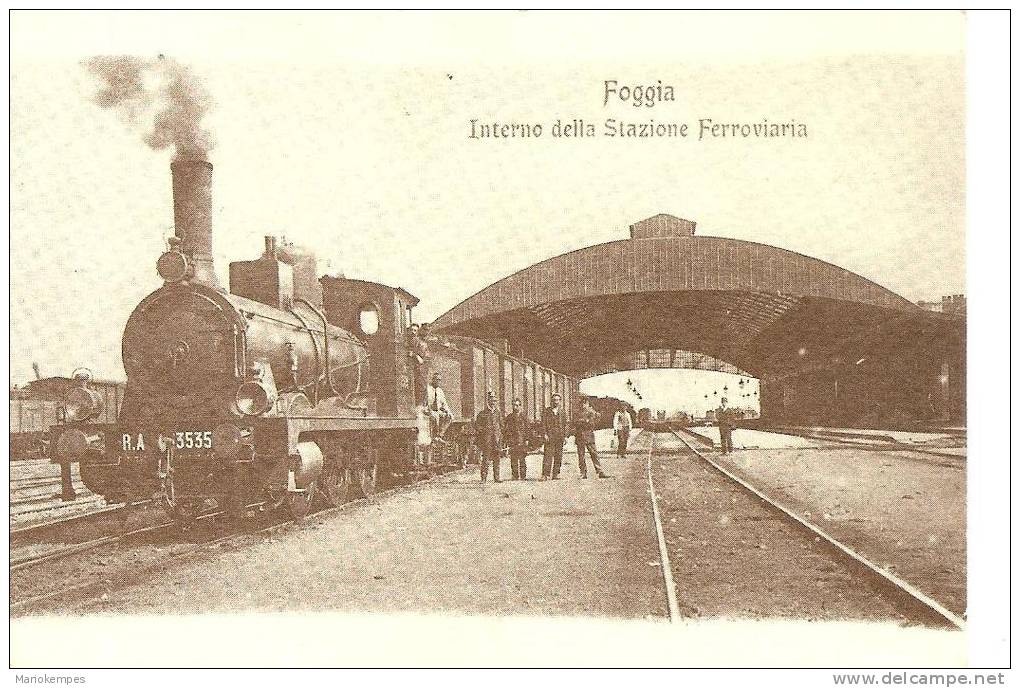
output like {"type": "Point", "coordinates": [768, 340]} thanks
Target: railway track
{"type": "Point", "coordinates": [911, 602]}
{"type": "Point", "coordinates": [672, 606]}
{"type": "Point", "coordinates": [24, 534]}
{"type": "Point", "coordinates": [22, 563]}
{"type": "Point", "coordinates": [69, 591]}
{"type": "Point", "coordinates": [35, 496]}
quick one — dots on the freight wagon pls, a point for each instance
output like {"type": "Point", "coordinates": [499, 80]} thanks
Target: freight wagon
{"type": "Point", "coordinates": [38, 407]}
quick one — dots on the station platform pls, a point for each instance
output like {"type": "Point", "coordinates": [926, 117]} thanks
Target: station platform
{"type": "Point", "coordinates": [605, 441]}
{"type": "Point", "coordinates": [756, 439]}
{"type": "Point", "coordinates": [948, 441]}
{"type": "Point", "coordinates": [566, 547]}
{"type": "Point", "coordinates": [871, 435]}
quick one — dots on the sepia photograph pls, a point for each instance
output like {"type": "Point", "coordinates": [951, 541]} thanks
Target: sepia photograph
{"type": "Point", "coordinates": [492, 339]}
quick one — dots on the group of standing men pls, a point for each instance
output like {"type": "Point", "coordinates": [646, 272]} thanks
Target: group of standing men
{"type": "Point", "coordinates": [495, 435]}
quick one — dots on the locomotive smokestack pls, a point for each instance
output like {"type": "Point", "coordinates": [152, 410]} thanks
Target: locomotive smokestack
{"type": "Point", "coordinates": [192, 184]}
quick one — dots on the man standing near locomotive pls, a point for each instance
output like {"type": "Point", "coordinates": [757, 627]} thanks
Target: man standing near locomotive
{"type": "Point", "coordinates": [515, 435]}
{"type": "Point", "coordinates": [489, 436]}
{"type": "Point", "coordinates": [554, 432]}
{"type": "Point", "coordinates": [418, 352]}
{"type": "Point", "coordinates": [584, 437]}
{"type": "Point", "coordinates": [434, 417]}
{"type": "Point", "coordinates": [724, 418]}
{"type": "Point", "coordinates": [621, 425]}
{"type": "Point", "coordinates": [438, 408]}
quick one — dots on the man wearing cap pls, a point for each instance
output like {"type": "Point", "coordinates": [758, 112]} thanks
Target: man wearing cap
{"type": "Point", "coordinates": [489, 436]}
{"type": "Point", "coordinates": [554, 431]}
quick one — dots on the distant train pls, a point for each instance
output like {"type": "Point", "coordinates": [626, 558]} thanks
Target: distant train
{"type": "Point", "coordinates": [283, 389]}
{"type": "Point", "coordinates": [37, 408]}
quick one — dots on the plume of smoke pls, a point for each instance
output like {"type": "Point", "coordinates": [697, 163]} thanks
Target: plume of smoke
{"type": "Point", "coordinates": [162, 97]}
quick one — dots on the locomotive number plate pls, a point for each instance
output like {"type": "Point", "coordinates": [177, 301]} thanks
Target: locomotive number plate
{"type": "Point", "coordinates": [193, 439]}
{"type": "Point", "coordinates": [182, 439]}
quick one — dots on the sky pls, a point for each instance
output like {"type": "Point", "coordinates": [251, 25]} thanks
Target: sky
{"type": "Point", "coordinates": [349, 134]}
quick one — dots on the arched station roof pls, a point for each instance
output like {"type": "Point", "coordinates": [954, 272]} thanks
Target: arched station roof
{"type": "Point", "coordinates": [756, 307]}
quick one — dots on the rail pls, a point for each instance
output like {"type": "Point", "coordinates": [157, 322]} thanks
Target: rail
{"type": "Point", "coordinates": [931, 605]}
{"type": "Point", "coordinates": [667, 569]}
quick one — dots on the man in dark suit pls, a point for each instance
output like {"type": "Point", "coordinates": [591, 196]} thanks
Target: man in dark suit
{"type": "Point", "coordinates": [489, 436]}
{"type": "Point", "coordinates": [554, 431]}
{"type": "Point", "coordinates": [584, 437]}
{"type": "Point", "coordinates": [515, 437]}
{"type": "Point", "coordinates": [724, 418]}
{"type": "Point", "coordinates": [418, 353]}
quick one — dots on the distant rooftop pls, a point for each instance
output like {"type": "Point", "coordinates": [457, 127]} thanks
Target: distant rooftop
{"type": "Point", "coordinates": [662, 226]}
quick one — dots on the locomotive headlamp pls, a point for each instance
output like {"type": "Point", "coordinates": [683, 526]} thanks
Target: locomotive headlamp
{"type": "Point", "coordinates": [254, 398]}
{"type": "Point", "coordinates": [82, 404]}
{"type": "Point", "coordinates": [172, 266]}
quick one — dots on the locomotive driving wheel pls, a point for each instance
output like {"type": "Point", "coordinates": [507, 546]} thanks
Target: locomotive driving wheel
{"type": "Point", "coordinates": [336, 483]}
{"type": "Point", "coordinates": [300, 503]}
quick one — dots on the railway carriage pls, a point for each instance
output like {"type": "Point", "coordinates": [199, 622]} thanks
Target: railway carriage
{"type": "Point", "coordinates": [468, 367]}
{"type": "Point", "coordinates": [486, 366]}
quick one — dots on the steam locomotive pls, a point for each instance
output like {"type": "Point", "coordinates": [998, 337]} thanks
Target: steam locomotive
{"type": "Point", "coordinates": [281, 390]}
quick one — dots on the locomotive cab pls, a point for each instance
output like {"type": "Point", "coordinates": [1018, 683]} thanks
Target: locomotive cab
{"type": "Point", "coordinates": [381, 316]}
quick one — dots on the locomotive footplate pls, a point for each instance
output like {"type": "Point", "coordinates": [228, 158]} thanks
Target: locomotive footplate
{"type": "Point", "coordinates": [280, 436]}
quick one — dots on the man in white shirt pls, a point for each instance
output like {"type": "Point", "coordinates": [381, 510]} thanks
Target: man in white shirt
{"type": "Point", "coordinates": [622, 425]}
{"type": "Point", "coordinates": [437, 407]}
